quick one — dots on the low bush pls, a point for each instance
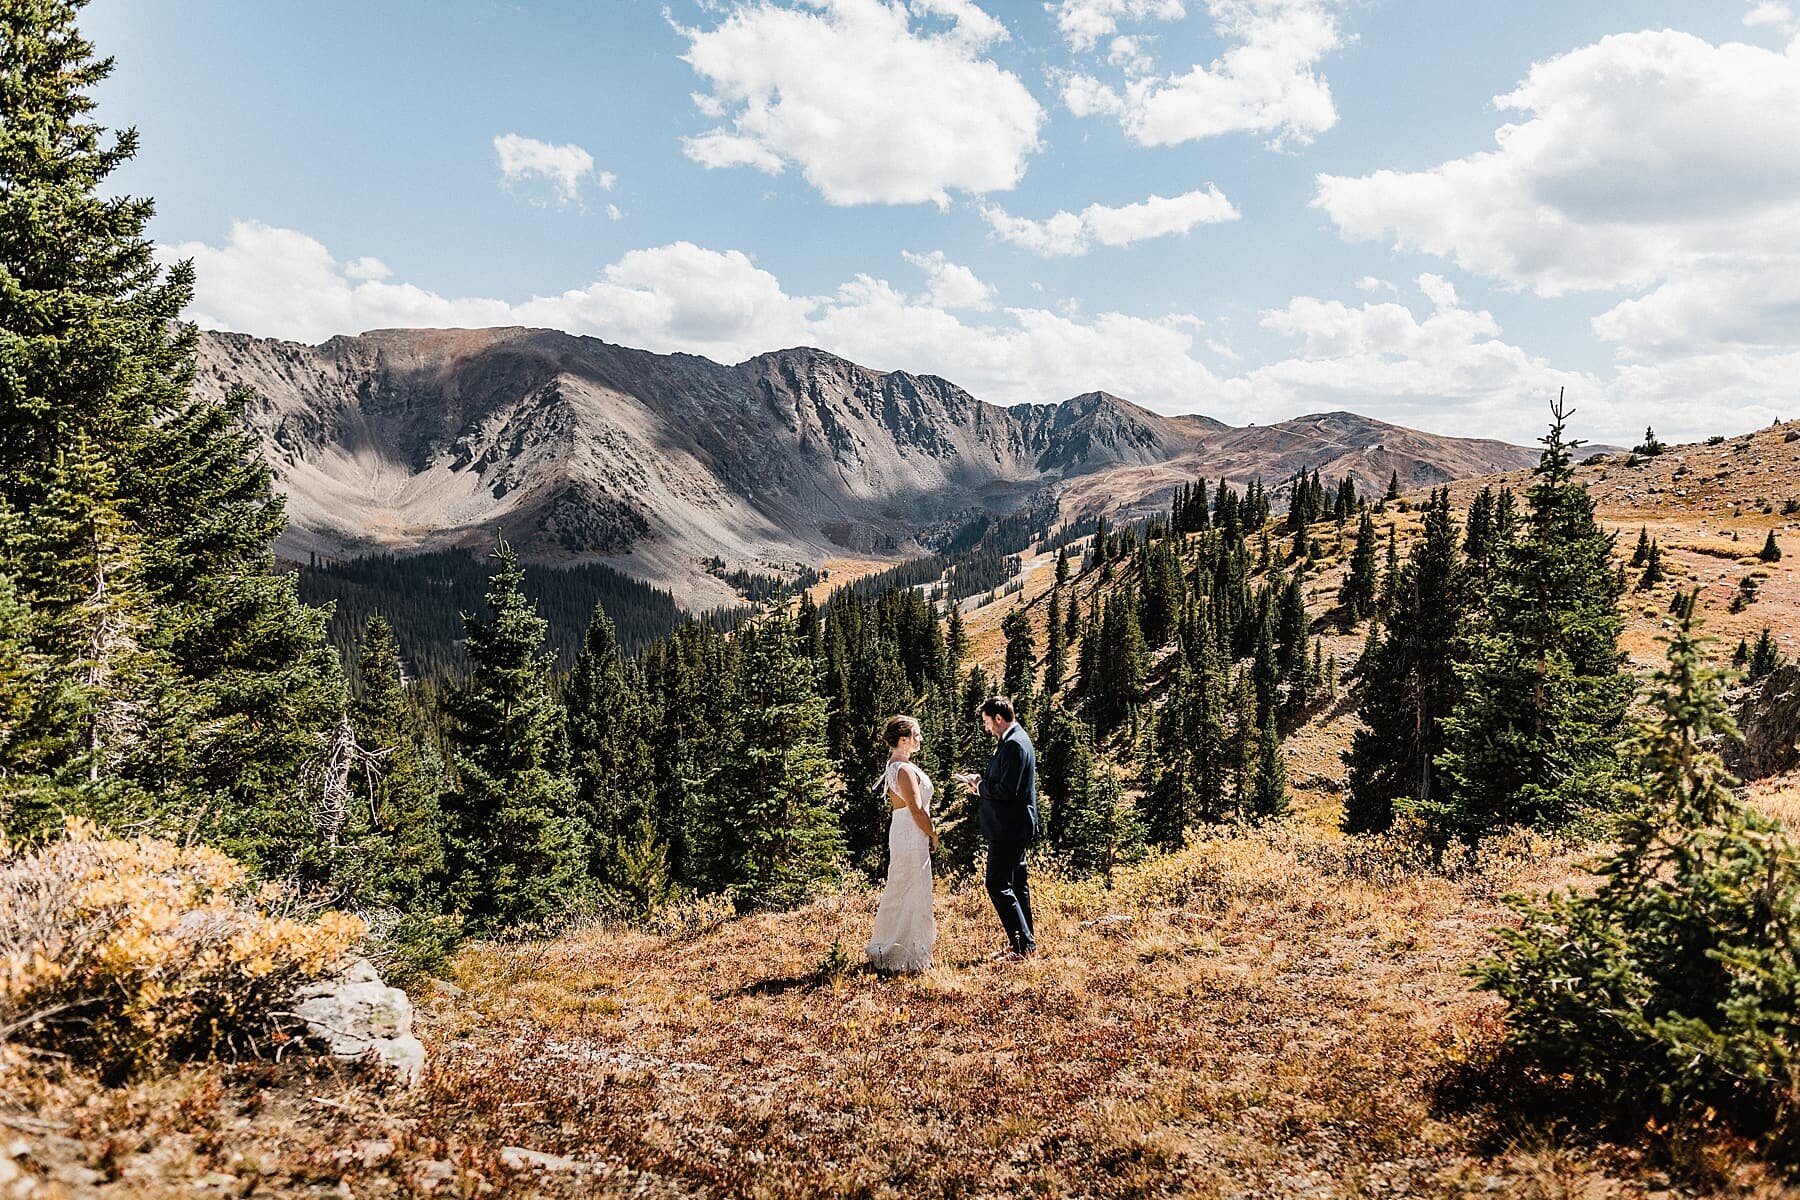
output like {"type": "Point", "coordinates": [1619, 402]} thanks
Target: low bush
{"type": "Point", "coordinates": [128, 953]}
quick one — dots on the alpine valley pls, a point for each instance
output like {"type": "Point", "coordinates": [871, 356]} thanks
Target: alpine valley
{"type": "Point", "coordinates": [583, 451]}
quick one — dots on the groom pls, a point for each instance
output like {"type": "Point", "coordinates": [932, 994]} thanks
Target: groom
{"type": "Point", "coordinates": [1009, 820]}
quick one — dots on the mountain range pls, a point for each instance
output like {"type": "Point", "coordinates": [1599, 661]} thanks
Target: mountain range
{"type": "Point", "coordinates": [580, 450]}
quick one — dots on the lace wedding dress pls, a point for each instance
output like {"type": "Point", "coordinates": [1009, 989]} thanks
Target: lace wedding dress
{"type": "Point", "coordinates": [905, 927]}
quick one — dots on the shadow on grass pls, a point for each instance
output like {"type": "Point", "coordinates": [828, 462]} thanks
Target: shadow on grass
{"type": "Point", "coordinates": [1509, 1105]}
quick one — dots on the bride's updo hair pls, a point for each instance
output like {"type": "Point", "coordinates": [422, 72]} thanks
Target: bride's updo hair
{"type": "Point", "coordinates": [897, 728]}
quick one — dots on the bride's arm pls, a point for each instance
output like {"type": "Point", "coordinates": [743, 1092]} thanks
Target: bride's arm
{"type": "Point", "coordinates": [909, 792]}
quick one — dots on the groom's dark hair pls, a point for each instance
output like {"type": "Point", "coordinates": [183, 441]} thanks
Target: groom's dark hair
{"type": "Point", "coordinates": [997, 706]}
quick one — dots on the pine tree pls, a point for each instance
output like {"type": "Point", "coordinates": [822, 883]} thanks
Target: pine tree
{"type": "Point", "coordinates": [1393, 487]}
{"type": "Point", "coordinates": [1641, 554]}
{"type": "Point", "coordinates": [1056, 648]}
{"type": "Point", "coordinates": [97, 365]}
{"type": "Point", "coordinates": [395, 831]}
{"type": "Point", "coordinates": [1268, 797]}
{"type": "Point", "coordinates": [956, 644]}
{"type": "Point", "coordinates": [106, 696]}
{"type": "Point", "coordinates": [1764, 657]}
{"type": "Point", "coordinates": [1653, 568]}
{"type": "Point", "coordinates": [518, 856]}
{"type": "Point", "coordinates": [1062, 565]}
{"type": "Point", "coordinates": [1356, 598]}
{"type": "Point", "coordinates": [1021, 661]}
{"type": "Point", "coordinates": [1095, 826]}
{"type": "Point", "coordinates": [1771, 551]}
{"type": "Point", "coordinates": [1544, 692]}
{"type": "Point", "coordinates": [960, 842]}
{"type": "Point", "coordinates": [1409, 683]}
{"type": "Point", "coordinates": [610, 757]}
{"type": "Point", "coordinates": [773, 832]}
{"type": "Point", "coordinates": [1390, 576]}
{"type": "Point", "coordinates": [1118, 665]}
{"type": "Point", "coordinates": [1672, 987]}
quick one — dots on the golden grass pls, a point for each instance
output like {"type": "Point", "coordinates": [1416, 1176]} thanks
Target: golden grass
{"type": "Point", "coordinates": [1270, 1013]}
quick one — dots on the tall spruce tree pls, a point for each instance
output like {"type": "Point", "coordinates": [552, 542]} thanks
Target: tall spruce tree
{"type": "Point", "coordinates": [1544, 692]}
{"type": "Point", "coordinates": [1268, 796]}
{"type": "Point", "coordinates": [1021, 661]}
{"type": "Point", "coordinates": [1356, 598]}
{"type": "Point", "coordinates": [610, 757]}
{"type": "Point", "coordinates": [1056, 649]}
{"type": "Point", "coordinates": [395, 863]}
{"type": "Point", "coordinates": [518, 854]}
{"type": "Point", "coordinates": [1409, 682]}
{"type": "Point", "coordinates": [231, 691]}
{"type": "Point", "coordinates": [773, 830]}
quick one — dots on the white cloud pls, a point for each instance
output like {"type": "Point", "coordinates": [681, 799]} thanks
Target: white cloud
{"type": "Point", "coordinates": [951, 285]}
{"type": "Point", "coordinates": [282, 283]}
{"type": "Point", "coordinates": [1084, 22]}
{"type": "Point", "coordinates": [1265, 82]}
{"type": "Point", "coordinates": [367, 268]}
{"type": "Point", "coordinates": [1453, 366]}
{"type": "Point", "coordinates": [1128, 54]}
{"type": "Point", "coordinates": [1450, 371]}
{"type": "Point", "coordinates": [1067, 233]}
{"type": "Point", "coordinates": [1368, 283]}
{"type": "Point", "coordinates": [1771, 13]}
{"type": "Point", "coordinates": [523, 159]}
{"type": "Point", "coordinates": [1440, 291]}
{"type": "Point", "coordinates": [1642, 155]}
{"type": "Point", "coordinates": [1654, 164]}
{"type": "Point", "coordinates": [874, 102]}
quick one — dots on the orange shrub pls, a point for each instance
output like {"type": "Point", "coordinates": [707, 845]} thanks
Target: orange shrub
{"type": "Point", "coordinates": [132, 951]}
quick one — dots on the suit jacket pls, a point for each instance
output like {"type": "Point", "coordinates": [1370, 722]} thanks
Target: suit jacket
{"type": "Point", "coordinates": [1008, 811]}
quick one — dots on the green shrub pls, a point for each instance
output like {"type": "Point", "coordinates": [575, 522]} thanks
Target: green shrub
{"type": "Point", "coordinates": [1675, 987]}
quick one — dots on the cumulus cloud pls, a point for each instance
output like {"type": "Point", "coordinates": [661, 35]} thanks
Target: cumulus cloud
{"type": "Point", "coordinates": [1381, 359]}
{"type": "Point", "coordinates": [283, 283]}
{"type": "Point", "coordinates": [1084, 22]}
{"type": "Point", "coordinates": [873, 101]}
{"type": "Point", "coordinates": [1450, 370]}
{"type": "Point", "coordinates": [1650, 163]}
{"type": "Point", "coordinates": [564, 167]}
{"type": "Point", "coordinates": [951, 285]}
{"type": "Point", "coordinates": [1066, 233]}
{"type": "Point", "coordinates": [1775, 15]}
{"type": "Point", "coordinates": [1266, 82]}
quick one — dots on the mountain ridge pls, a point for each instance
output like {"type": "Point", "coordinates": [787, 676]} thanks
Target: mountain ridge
{"type": "Point", "coordinates": [582, 450]}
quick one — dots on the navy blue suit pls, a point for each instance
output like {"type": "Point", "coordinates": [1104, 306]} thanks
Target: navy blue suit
{"type": "Point", "coordinates": [1008, 814]}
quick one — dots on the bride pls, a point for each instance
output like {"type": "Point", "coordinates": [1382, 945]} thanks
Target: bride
{"type": "Point", "coordinates": [905, 928]}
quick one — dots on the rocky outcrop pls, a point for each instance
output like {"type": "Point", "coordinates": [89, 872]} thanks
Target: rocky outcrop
{"type": "Point", "coordinates": [1768, 715]}
{"type": "Point", "coordinates": [358, 1017]}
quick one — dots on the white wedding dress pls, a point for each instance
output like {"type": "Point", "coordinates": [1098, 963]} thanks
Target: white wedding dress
{"type": "Point", "coordinates": [905, 927]}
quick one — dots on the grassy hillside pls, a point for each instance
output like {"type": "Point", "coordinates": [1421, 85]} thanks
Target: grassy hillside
{"type": "Point", "coordinates": [1276, 1014]}
{"type": "Point", "coordinates": [1710, 506]}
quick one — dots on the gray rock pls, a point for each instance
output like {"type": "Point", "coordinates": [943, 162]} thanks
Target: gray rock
{"type": "Point", "coordinates": [355, 1015]}
{"type": "Point", "coordinates": [1768, 714]}
{"type": "Point", "coordinates": [518, 1158]}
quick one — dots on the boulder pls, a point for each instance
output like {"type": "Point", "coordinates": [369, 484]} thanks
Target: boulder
{"type": "Point", "coordinates": [355, 1015]}
{"type": "Point", "coordinates": [1768, 715]}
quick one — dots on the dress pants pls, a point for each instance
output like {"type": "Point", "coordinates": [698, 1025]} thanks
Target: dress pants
{"type": "Point", "coordinates": [1010, 889]}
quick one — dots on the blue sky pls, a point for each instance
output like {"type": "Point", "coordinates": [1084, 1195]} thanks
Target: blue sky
{"type": "Point", "coordinates": [1250, 208]}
